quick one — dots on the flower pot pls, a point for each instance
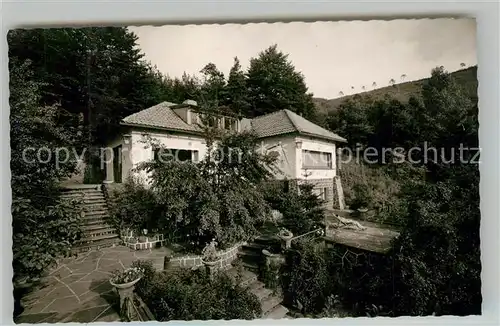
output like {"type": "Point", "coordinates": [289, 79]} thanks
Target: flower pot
{"type": "Point", "coordinates": [210, 266]}
{"type": "Point", "coordinates": [287, 239]}
{"type": "Point", "coordinates": [209, 263]}
{"type": "Point", "coordinates": [124, 285]}
{"type": "Point", "coordinates": [125, 291]}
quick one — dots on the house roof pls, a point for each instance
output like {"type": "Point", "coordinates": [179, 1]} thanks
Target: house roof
{"type": "Point", "coordinates": [281, 122]}
{"type": "Point", "coordinates": [286, 121]}
{"type": "Point", "coordinates": [159, 116]}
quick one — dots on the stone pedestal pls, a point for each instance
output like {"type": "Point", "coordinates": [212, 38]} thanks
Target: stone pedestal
{"type": "Point", "coordinates": [286, 241]}
{"type": "Point", "coordinates": [211, 267]}
{"type": "Point", "coordinates": [126, 293]}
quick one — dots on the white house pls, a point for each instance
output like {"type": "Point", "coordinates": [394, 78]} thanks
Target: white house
{"type": "Point", "coordinates": [304, 149]}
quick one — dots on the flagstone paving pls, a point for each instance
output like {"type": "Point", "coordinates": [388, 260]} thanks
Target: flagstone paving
{"type": "Point", "coordinates": [78, 289]}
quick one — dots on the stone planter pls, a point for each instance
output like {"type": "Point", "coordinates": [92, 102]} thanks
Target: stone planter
{"type": "Point", "coordinates": [210, 266]}
{"type": "Point", "coordinates": [270, 257]}
{"type": "Point", "coordinates": [125, 291]}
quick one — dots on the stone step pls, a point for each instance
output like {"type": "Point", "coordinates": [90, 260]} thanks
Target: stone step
{"type": "Point", "coordinates": [97, 239]}
{"type": "Point", "coordinates": [90, 192]}
{"type": "Point", "coordinates": [255, 247]}
{"type": "Point", "coordinates": [249, 257]}
{"type": "Point", "coordinates": [95, 206]}
{"type": "Point", "coordinates": [102, 212]}
{"type": "Point", "coordinates": [92, 220]}
{"type": "Point", "coordinates": [250, 266]}
{"type": "Point", "coordinates": [82, 194]}
{"type": "Point", "coordinates": [101, 232]}
{"type": "Point", "coordinates": [108, 242]}
{"type": "Point", "coordinates": [267, 241]}
{"type": "Point", "coordinates": [261, 293]}
{"type": "Point", "coordinates": [250, 254]}
{"type": "Point", "coordinates": [94, 202]}
{"type": "Point", "coordinates": [269, 303]}
{"type": "Point", "coordinates": [95, 227]}
{"type": "Point", "coordinates": [277, 312]}
{"type": "Point", "coordinates": [256, 286]}
{"type": "Point", "coordinates": [246, 279]}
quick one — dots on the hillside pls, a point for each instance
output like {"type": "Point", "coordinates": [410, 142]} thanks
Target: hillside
{"type": "Point", "coordinates": [403, 91]}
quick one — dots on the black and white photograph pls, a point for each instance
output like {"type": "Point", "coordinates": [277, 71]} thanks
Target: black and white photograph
{"type": "Point", "coordinates": [282, 170]}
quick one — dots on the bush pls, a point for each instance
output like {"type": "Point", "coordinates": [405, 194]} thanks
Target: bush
{"type": "Point", "coordinates": [215, 198]}
{"type": "Point", "coordinates": [362, 196]}
{"type": "Point", "coordinates": [134, 207]}
{"type": "Point", "coordinates": [43, 228]}
{"type": "Point", "coordinates": [306, 280]}
{"type": "Point", "coordinates": [192, 295]}
{"type": "Point", "coordinates": [302, 210]}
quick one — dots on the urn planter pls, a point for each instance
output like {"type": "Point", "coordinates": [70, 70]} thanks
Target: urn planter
{"type": "Point", "coordinates": [286, 238]}
{"type": "Point", "coordinates": [125, 292]}
{"type": "Point", "coordinates": [210, 266]}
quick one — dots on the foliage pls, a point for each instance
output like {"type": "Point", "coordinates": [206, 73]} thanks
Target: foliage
{"type": "Point", "coordinates": [127, 276]}
{"type": "Point", "coordinates": [217, 198]}
{"type": "Point", "coordinates": [465, 77]}
{"type": "Point", "coordinates": [434, 265]}
{"type": "Point", "coordinates": [302, 210]}
{"type": "Point", "coordinates": [238, 97]}
{"type": "Point", "coordinates": [439, 248]}
{"type": "Point", "coordinates": [306, 282]}
{"type": "Point", "coordinates": [209, 253]}
{"type": "Point", "coordinates": [134, 207]}
{"type": "Point", "coordinates": [361, 196]}
{"type": "Point", "coordinates": [274, 84]}
{"type": "Point", "coordinates": [192, 295]}
{"type": "Point", "coordinates": [44, 228]}
{"type": "Point", "coordinates": [95, 72]}
{"type": "Point", "coordinates": [271, 275]}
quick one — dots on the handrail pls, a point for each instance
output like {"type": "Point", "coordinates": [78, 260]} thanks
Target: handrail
{"type": "Point", "coordinates": [307, 233]}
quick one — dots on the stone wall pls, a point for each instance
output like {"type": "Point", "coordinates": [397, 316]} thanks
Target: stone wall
{"type": "Point", "coordinates": [227, 257]}
{"type": "Point", "coordinates": [330, 191]}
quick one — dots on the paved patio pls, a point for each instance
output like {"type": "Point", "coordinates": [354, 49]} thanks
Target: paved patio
{"type": "Point", "coordinates": [78, 290]}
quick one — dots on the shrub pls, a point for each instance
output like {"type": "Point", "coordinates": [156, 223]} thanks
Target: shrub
{"type": "Point", "coordinates": [302, 210]}
{"type": "Point", "coordinates": [216, 198]}
{"type": "Point", "coordinates": [134, 207]}
{"type": "Point", "coordinates": [306, 281]}
{"type": "Point", "coordinates": [271, 275]}
{"type": "Point", "coordinates": [362, 196]}
{"type": "Point", "coordinates": [43, 228]}
{"type": "Point", "coordinates": [192, 295]}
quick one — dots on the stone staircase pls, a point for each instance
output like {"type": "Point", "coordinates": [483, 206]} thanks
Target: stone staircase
{"type": "Point", "coordinates": [97, 232]}
{"type": "Point", "coordinates": [251, 257]}
{"type": "Point", "coordinates": [270, 302]}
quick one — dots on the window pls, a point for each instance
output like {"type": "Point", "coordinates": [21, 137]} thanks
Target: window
{"type": "Point", "coordinates": [316, 160]}
{"type": "Point", "coordinates": [180, 155]}
{"type": "Point", "coordinates": [230, 124]}
{"type": "Point", "coordinates": [324, 194]}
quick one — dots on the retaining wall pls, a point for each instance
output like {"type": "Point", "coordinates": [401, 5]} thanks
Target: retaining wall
{"type": "Point", "coordinates": [226, 258]}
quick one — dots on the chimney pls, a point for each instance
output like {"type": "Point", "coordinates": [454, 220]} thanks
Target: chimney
{"type": "Point", "coordinates": [190, 102]}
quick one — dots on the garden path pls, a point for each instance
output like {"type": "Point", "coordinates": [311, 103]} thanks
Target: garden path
{"type": "Point", "coordinates": [78, 289]}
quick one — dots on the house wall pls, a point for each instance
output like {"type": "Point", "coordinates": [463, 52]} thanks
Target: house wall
{"type": "Point", "coordinates": [285, 146]}
{"type": "Point", "coordinates": [107, 157]}
{"type": "Point", "coordinates": [307, 143]}
{"type": "Point", "coordinates": [142, 151]}
{"type": "Point", "coordinates": [322, 179]}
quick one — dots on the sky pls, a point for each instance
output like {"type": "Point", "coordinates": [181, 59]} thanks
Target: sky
{"type": "Point", "coordinates": [332, 56]}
